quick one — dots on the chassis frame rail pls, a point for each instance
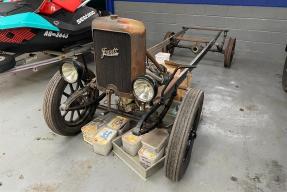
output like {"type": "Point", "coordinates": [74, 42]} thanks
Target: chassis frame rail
{"type": "Point", "coordinates": [56, 58]}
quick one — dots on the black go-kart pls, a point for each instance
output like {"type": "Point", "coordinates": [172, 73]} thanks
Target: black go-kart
{"type": "Point", "coordinates": [28, 26]}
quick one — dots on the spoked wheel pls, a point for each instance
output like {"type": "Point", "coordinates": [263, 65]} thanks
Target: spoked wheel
{"type": "Point", "coordinates": [66, 123]}
{"type": "Point", "coordinates": [183, 135]}
{"type": "Point", "coordinates": [7, 62]}
{"type": "Point", "coordinates": [229, 52]}
{"type": "Point", "coordinates": [170, 47]}
{"type": "Point", "coordinates": [284, 77]}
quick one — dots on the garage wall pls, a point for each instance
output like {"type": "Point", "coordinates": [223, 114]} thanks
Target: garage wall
{"type": "Point", "coordinates": [261, 31]}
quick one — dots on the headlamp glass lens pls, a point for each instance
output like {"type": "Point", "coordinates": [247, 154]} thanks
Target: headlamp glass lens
{"type": "Point", "coordinates": [70, 73]}
{"type": "Point", "coordinates": [143, 90]}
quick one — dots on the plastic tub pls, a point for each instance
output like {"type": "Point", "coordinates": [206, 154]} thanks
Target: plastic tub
{"type": "Point", "coordinates": [155, 140]}
{"type": "Point", "coordinates": [149, 157]}
{"type": "Point", "coordinates": [161, 57]}
{"type": "Point", "coordinates": [90, 131]}
{"type": "Point", "coordinates": [103, 141]}
{"type": "Point", "coordinates": [131, 143]}
{"type": "Point", "coordinates": [133, 161]}
{"type": "Point", "coordinates": [117, 122]}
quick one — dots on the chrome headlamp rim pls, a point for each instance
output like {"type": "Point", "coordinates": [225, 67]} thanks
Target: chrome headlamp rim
{"type": "Point", "coordinates": [151, 82]}
{"type": "Point", "coordinates": [75, 66]}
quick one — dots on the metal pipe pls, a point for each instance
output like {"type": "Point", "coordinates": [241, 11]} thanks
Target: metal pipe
{"type": "Point", "coordinates": [66, 106]}
{"type": "Point", "coordinates": [158, 66]}
{"type": "Point", "coordinates": [206, 28]}
{"type": "Point", "coordinates": [192, 39]}
{"type": "Point", "coordinates": [158, 47]}
{"type": "Point", "coordinates": [131, 116]}
{"type": "Point", "coordinates": [59, 56]}
{"type": "Point", "coordinates": [157, 78]}
{"type": "Point", "coordinates": [138, 129]}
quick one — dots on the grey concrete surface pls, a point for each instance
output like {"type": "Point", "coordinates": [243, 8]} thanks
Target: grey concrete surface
{"type": "Point", "coordinates": [241, 143]}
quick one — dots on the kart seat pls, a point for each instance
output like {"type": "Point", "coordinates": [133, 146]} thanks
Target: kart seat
{"type": "Point", "coordinates": [51, 6]}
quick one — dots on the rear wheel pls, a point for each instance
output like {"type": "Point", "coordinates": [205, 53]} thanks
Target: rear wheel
{"type": "Point", "coordinates": [66, 123]}
{"type": "Point", "coordinates": [284, 77]}
{"type": "Point", "coordinates": [183, 135]}
{"type": "Point", "coordinates": [229, 52]}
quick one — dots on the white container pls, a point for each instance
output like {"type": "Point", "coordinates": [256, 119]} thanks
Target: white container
{"type": "Point", "coordinates": [90, 131]}
{"type": "Point", "coordinates": [155, 140]}
{"type": "Point", "coordinates": [131, 143]}
{"type": "Point", "coordinates": [117, 122]}
{"type": "Point", "coordinates": [103, 141]}
{"type": "Point", "coordinates": [149, 157]}
{"type": "Point", "coordinates": [161, 57]}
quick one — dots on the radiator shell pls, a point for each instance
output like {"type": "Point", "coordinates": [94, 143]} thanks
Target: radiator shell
{"type": "Point", "coordinates": [120, 51]}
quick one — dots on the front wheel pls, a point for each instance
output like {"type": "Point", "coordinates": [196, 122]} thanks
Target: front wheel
{"type": "Point", "coordinates": [66, 123]}
{"type": "Point", "coordinates": [183, 135]}
{"type": "Point", "coordinates": [284, 77]}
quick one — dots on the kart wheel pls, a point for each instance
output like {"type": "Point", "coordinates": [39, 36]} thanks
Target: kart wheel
{"type": "Point", "coordinates": [284, 77]}
{"type": "Point", "coordinates": [66, 123]}
{"type": "Point", "coordinates": [7, 62]}
{"type": "Point", "coordinates": [229, 52]}
{"type": "Point", "coordinates": [169, 48]}
{"type": "Point", "coordinates": [183, 135]}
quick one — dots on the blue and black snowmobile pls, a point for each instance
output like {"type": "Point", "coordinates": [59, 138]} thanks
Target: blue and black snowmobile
{"type": "Point", "coordinates": [38, 25]}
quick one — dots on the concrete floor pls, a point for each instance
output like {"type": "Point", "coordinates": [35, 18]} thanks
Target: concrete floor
{"type": "Point", "coordinates": [241, 144]}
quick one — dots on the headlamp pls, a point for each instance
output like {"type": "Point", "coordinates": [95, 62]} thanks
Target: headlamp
{"type": "Point", "coordinates": [144, 89]}
{"type": "Point", "coordinates": [69, 72]}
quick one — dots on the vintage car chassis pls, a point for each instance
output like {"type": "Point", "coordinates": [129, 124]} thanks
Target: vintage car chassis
{"type": "Point", "coordinates": [170, 84]}
{"type": "Point", "coordinates": [169, 90]}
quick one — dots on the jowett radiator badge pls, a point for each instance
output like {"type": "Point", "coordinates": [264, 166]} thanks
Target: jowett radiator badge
{"type": "Point", "coordinates": [110, 52]}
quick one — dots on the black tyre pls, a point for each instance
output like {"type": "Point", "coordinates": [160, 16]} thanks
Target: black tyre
{"type": "Point", "coordinates": [7, 62]}
{"type": "Point", "coordinates": [67, 123]}
{"type": "Point", "coordinates": [183, 135]}
{"type": "Point", "coordinates": [284, 76]}
{"type": "Point", "coordinates": [229, 52]}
